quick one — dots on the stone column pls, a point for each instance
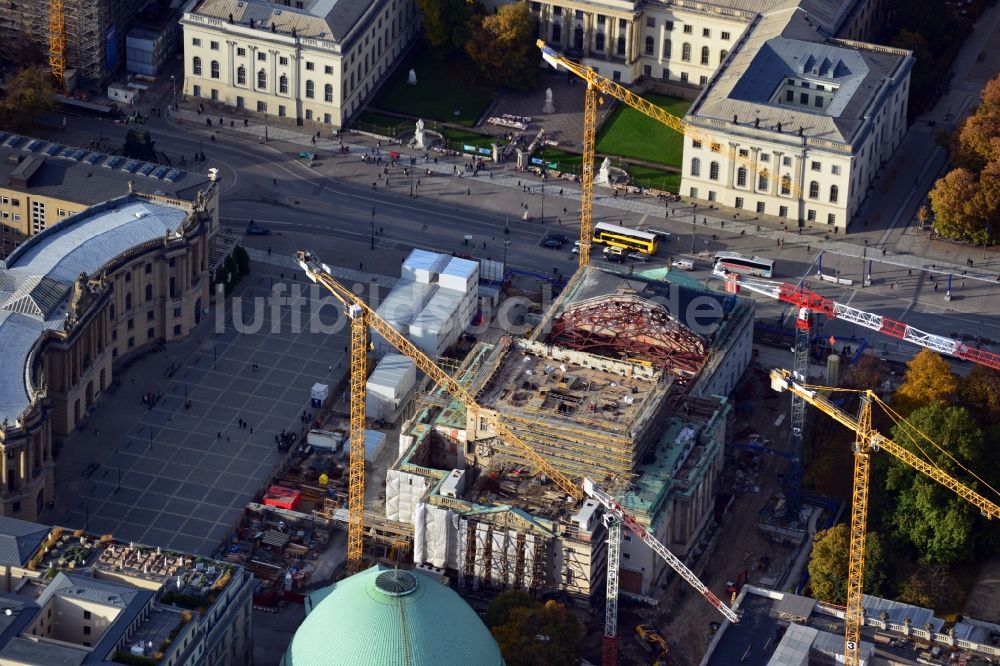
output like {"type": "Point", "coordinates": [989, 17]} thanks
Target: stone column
{"type": "Point", "coordinates": [588, 33]}
{"type": "Point", "coordinates": [22, 460]}
{"type": "Point", "coordinates": [731, 167]}
{"type": "Point", "coordinates": [274, 70]}
{"type": "Point", "coordinates": [252, 69]}
{"type": "Point", "coordinates": [777, 171]}
{"type": "Point", "coordinates": [659, 46]}
{"type": "Point", "coordinates": [754, 172]}
{"type": "Point", "coordinates": [629, 42]}
{"type": "Point", "coordinates": [231, 51]}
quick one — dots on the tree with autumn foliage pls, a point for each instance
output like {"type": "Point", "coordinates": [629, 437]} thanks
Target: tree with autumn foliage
{"type": "Point", "coordinates": [503, 47]}
{"type": "Point", "coordinates": [966, 201]}
{"type": "Point", "coordinates": [928, 380]}
{"type": "Point", "coordinates": [868, 373]}
{"type": "Point", "coordinates": [828, 564]}
{"type": "Point", "coordinates": [980, 393]}
{"type": "Point", "coordinates": [446, 24]}
{"type": "Point", "coordinates": [534, 634]}
{"type": "Point", "coordinates": [28, 93]}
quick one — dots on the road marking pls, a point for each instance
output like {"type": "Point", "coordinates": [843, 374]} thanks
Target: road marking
{"type": "Point", "coordinates": [778, 421]}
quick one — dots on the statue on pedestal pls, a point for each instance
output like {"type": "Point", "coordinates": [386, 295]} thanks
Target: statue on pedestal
{"type": "Point", "coordinates": [418, 137]}
{"type": "Point", "coordinates": [549, 107]}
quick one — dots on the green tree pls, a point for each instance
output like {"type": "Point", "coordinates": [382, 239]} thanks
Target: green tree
{"type": "Point", "coordinates": [828, 563]}
{"type": "Point", "coordinates": [941, 527]}
{"type": "Point", "coordinates": [446, 23]}
{"type": "Point", "coordinates": [503, 47]}
{"type": "Point", "coordinates": [539, 635]}
{"type": "Point", "coordinates": [980, 393]}
{"type": "Point", "coordinates": [28, 94]}
{"type": "Point", "coordinates": [929, 379]}
{"type": "Point", "coordinates": [499, 610]}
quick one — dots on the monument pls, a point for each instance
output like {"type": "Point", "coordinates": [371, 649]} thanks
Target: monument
{"type": "Point", "coordinates": [549, 107]}
{"type": "Point", "coordinates": [412, 78]}
{"type": "Point", "coordinates": [603, 176]}
{"type": "Point", "coordinates": [418, 137]}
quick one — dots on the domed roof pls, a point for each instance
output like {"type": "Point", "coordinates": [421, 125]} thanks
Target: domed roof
{"type": "Point", "coordinates": [390, 617]}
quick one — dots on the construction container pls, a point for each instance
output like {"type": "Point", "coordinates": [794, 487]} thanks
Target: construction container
{"type": "Point", "coordinates": [373, 444]}
{"type": "Point", "coordinates": [324, 439]}
{"type": "Point", "coordinates": [388, 386]}
{"type": "Point", "coordinates": [423, 266]}
{"type": "Point", "coordinates": [319, 394]}
{"type": "Point", "coordinates": [454, 484]}
{"type": "Point", "coordinates": [460, 274]}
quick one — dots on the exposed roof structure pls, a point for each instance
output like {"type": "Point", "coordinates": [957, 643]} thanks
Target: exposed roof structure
{"type": "Point", "coordinates": [332, 20]}
{"type": "Point", "coordinates": [390, 617]}
{"type": "Point", "coordinates": [19, 540]}
{"type": "Point", "coordinates": [628, 326]}
{"type": "Point", "coordinates": [37, 279]}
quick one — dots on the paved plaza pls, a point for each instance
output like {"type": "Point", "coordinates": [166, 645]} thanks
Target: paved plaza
{"type": "Point", "coordinates": [186, 473]}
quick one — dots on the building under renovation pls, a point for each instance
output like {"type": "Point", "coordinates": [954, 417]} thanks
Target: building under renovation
{"type": "Point", "coordinates": [612, 385]}
{"type": "Point", "coordinates": [95, 35]}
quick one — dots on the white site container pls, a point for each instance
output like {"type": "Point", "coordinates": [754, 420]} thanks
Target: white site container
{"type": "Point", "coordinates": [402, 304]}
{"type": "Point", "coordinates": [319, 394]}
{"type": "Point", "coordinates": [436, 327]}
{"type": "Point", "coordinates": [423, 266]}
{"type": "Point", "coordinates": [388, 386]}
{"type": "Point", "coordinates": [460, 275]}
{"type": "Point", "coordinates": [454, 484]}
{"type": "Point", "coordinates": [374, 440]}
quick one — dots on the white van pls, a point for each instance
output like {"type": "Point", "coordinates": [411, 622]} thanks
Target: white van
{"type": "Point", "coordinates": [683, 264]}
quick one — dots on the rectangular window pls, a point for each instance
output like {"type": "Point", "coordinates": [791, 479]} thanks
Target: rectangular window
{"type": "Point", "coordinates": [309, 114]}
{"type": "Point", "coordinates": [786, 161]}
{"type": "Point", "coordinates": [695, 143]}
{"type": "Point", "coordinates": [86, 615]}
{"type": "Point", "coordinates": [281, 111]}
{"type": "Point", "coordinates": [616, 75]}
{"type": "Point", "coordinates": [811, 215]}
{"type": "Point", "coordinates": [328, 69]}
{"type": "Point", "coordinates": [310, 66]}
{"type": "Point", "coordinates": [760, 206]}
{"type": "Point", "coordinates": [684, 77]}
{"type": "Point", "coordinates": [789, 95]}
{"type": "Point", "coordinates": [622, 24]}
{"type": "Point", "coordinates": [262, 56]}
{"type": "Point", "coordinates": [725, 36]}
{"type": "Point", "coordinates": [702, 80]}
{"type": "Point", "coordinates": [150, 333]}
{"type": "Point", "coordinates": [739, 202]}
{"type": "Point", "coordinates": [196, 90]}
{"type": "Point", "coordinates": [151, 315]}
{"type": "Point", "coordinates": [765, 157]}
{"type": "Point", "coordinates": [819, 101]}
{"type": "Point", "coordinates": [177, 329]}
{"type": "Point", "coordinates": [578, 14]}
{"type": "Point", "coordinates": [694, 192]}
{"type": "Point", "coordinates": [782, 211]}
{"type": "Point", "coordinates": [650, 22]}
{"type": "Point", "coordinates": [670, 25]}
{"type": "Point", "coordinates": [195, 41]}
{"type": "Point", "coordinates": [283, 61]}
{"type": "Point", "coordinates": [804, 84]}
{"type": "Point", "coordinates": [816, 166]}
{"type": "Point", "coordinates": [831, 218]}
{"type": "Point", "coordinates": [705, 32]}
{"type": "Point", "coordinates": [261, 107]}
{"type": "Point", "coordinates": [835, 170]}
{"type": "Point", "coordinates": [240, 51]}
{"type": "Point", "coordinates": [214, 46]}
{"type": "Point", "coordinates": [557, 11]}
{"type": "Point", "coordinates": [687, 30]}
{"type": "Point", "coordinates": [131, 343]}
{"type": "Point", "coordinates": [711, 195]}
{"type": "Point", "coordinates": [803, 98]}
{"type": "Point", "coordinates": [744, 152]}
{"type": "Point", "coordinates": [327, 118]}
{"type": "Point", "coordinates": [177, 312]}
{"type": "Point", "coordinates": [647, 70]}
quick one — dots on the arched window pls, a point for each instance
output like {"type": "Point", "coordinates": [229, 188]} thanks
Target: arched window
{"type": "Point", "coordinates": [741, 177]}
{"type": "Point", "coordinates": [328, 93]}
{"type": "Point", "coordinates": [762, 180]}
{"type": "Point", "coordinates": [813, 190]}
{"type": "Point", "coordinates": [686, 52]}
{"type": "Point", "coordinates": [599, 41]}
{"type": "Point", "coordinates": [283, 84]}
{"type": "Point", "coordinates": [666, 48]}
{"type": "Point", "coordinates": [650, 46]}
{"type": "Point", "coordinates": [704, 55]}
{"type": "Point", "coordinates": [834, 193]}
{"type": "Point", "coordinates": [621, 45]}
{"type": "Point", "coordinates": [196, 66]}
{"type": "Point", "coordinates": [241, 75]}
{"type": "Point", "coordinates": [713, 171]}
{"type": "Point", "coordinates": [215, 69]}
{"type": "Point", "coordinates": [696, 167]}
{"type": "Point", "coordinates": [557, 33]}
{"type": "Point", "coordinates": [786, 184]}
{"type": "Point", "coordinates": [578, 38]}
{"type": "Point", "coordinates": [310, 89]}
{"type": "Point", "coordinates": [262, 79]}
{"type": "Point", "coordinates": [722, 55]}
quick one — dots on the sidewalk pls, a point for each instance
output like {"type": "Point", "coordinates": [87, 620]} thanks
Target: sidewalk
{"type": "Point", "coordinates": [507, 177]}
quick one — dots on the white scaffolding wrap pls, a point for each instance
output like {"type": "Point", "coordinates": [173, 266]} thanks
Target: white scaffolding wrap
{"type": "Point", "coordinates": [419, 514]}
{"type": "Point", "coordinates": [462, 547]}
{"type": "Point", "coordinates": [437, 528]}
{"type": "Point", "coordinates": [482, 533]}
{"type": "Point", "coordinates": [455, 541]}
{"type": "Point", "coordinates": [529, 560]}
{"type": "Point", "coordinates": [499, 558]}
{"type": "Point", "coordinates": [402, 492]}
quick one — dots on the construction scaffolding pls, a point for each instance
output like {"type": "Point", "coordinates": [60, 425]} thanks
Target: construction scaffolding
{"type": "Point", "coordinates": [92, 39]}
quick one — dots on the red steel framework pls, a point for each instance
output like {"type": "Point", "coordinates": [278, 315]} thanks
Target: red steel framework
{"type": "Point", "coordinates": [629, 327]}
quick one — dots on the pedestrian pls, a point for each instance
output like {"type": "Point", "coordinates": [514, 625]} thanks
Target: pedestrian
{"type": "Point", "coordinates": [251, 430]}
{"type": "Point", "coordinates": [468, 191]}
{"type": "Point", "coordinates": [246, 123]}
{"type": "Point", "coordinates": [935, 287]}
{"type": "Point", "coordinates": [361, 265]}
{"type": "Point", "coordinates": [218, 435]}
{"type": "Point", "coordinates": [909, 271]}
{"type": "Point", "coordinates": [269, 251]}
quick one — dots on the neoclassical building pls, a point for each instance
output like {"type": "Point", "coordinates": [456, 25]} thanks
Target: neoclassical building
{"type": "Point", "coordinates": [77, 298]}
{"type": "Point", "coordinates": [314, 61]}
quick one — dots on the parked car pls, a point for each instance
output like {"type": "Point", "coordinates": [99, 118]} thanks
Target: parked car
{"type": "Point", "coordinates": [551, 243]}
{"type": "Point", "coordinates": [638, 256]}
{"type": "Point", "coordinates": [562, 238]}
{"type": "Point", "coordinates": [683, 264]}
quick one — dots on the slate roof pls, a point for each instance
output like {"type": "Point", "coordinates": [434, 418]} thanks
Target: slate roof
{"type": "Point", "coordinates": [19, 539]}
{"type": "Point", "coordinates": [332, 20]}
{"type": "Point", "coordinates": [84, 176]}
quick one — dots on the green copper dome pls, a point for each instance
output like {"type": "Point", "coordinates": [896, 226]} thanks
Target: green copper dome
{"type": "Point", "coordinates": [389, 617]}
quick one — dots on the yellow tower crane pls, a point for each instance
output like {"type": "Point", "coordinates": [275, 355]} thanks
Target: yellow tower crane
{"type": "Point", "coordinates": [868, 441]}
{"type": "Point", "coordinates": [363, 316]}
{"type": "Point", "coordinates": [597, 83]}
{"type": "Point", "coordinates": [57, 43]}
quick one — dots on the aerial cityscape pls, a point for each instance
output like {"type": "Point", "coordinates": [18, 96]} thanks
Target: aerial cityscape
{"type": "Point", "coordinates": [435, 332]}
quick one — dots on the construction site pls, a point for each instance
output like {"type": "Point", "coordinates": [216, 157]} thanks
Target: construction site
{"type": "Point", "coordinates": [93, 36]}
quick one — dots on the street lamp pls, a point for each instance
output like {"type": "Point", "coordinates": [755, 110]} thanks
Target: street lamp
{"type": "Point", "coordinates": [265, 131]}
{"type": "Point", "coordinates": [542, 217]}
{"type": "Point", "coordinates": [173, 83]}
{"type": "Point", "coordinates": [506, 241]}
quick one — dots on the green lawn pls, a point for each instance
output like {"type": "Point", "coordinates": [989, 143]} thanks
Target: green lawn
{"type": "Point", "coordinates": [457, 138]}
{"type": "Point", "coordinates": [642, 176]}
{"type": "Point", "coordinates": [442, 89]}
{"type": "Point", "coordinates": [381, 123]}
{"type": "Point", "coordinates": [629, 133]}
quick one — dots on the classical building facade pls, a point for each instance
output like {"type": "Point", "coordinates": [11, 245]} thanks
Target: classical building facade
{"type": "Point", "coordinates": [75, 299]}
{"type": "Point", "coordinates": [314, 61]}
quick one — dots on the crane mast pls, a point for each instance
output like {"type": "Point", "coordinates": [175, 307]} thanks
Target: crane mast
{"type": "Point", "coordinates": [868, 441]}
{"type": "Point", "coordinates": [362, 314]}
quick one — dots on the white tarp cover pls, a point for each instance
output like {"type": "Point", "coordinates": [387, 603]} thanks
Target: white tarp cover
{"type": "Point", "coordinates": [419, 514]}
{"type": "Point", "coordinates": [437, 528]}
{"type": "Point", "coordinates": [460, 274]}
{"type": "Point", "coordinates": [423, 265]}
{"type": "Point", "coordinates": [403, 492]}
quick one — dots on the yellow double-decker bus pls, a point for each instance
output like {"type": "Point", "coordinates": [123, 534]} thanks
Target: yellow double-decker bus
{"type": "Point", "coordinates": [627, 239]}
